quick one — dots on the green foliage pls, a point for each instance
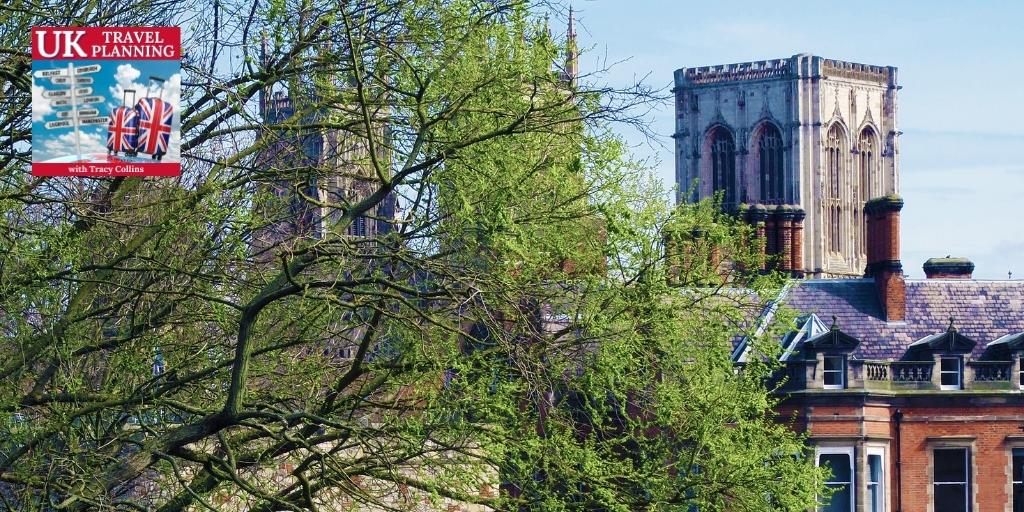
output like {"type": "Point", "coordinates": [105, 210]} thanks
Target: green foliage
{"type": "Point", "coordinates": [512, 343]}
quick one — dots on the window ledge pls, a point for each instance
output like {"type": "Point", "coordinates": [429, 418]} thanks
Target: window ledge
{"type": "Point", "coordinates": [947, 439]}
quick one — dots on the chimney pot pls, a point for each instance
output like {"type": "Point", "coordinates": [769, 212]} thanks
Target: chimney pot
{"type": "Point", "coordinates": [948, 268]}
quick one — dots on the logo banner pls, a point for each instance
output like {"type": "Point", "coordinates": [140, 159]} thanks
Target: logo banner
{"type": "Point", "coordinates": [106, 101]}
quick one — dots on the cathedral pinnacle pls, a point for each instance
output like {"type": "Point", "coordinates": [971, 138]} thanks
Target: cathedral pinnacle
{"type": "Point", "coordinates": [572, 54]}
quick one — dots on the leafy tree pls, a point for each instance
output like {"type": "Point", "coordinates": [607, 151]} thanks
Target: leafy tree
{"type": "Point", "coordinates": [510, 342]}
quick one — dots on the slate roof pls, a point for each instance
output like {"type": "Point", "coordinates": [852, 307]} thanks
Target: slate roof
{"type": "Point", "coordinates": [983, 311]}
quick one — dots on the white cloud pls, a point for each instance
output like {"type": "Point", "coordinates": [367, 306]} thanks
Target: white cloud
{"type": "Point", "coordinates": [91, 142]}
{"type": "Point", "coordinates": [40, 105]}
{"type": "Point", "coordinates": [126, 74]}
{"type": "Point", "coordinates": [173, 149]}
{"type": "Point", "coordinates": [126, 78]}
{"type": "Point", "coordinates": [172, 90]}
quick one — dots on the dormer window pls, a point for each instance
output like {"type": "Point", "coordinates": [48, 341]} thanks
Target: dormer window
{"type": "Point", "coordinates": [834, 373]}
{"type": "Point", "coordinates": [1008, 348]}
{"type": "Point", "coordinates": [951, 370]}
{"type": "Point", "coordinates": [831, 349]}
{"type": "Point", "coordinates": [949, 349]}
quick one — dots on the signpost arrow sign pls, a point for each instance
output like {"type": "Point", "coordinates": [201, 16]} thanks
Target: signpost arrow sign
{"type": "Point", "coordinates": [43, 73]}
{"type": "Point", "coordinates": [92, 68]}
{"type": "Point", "coordinates": [63, 80]}
{"type": "Point", "coordinates": [93, 120]}
{"type": "Point", "coordinates": [66, 93]}
{"type": "Point", "coordinates": [82, 113]}
{"type": "Point", "coordinates": [59, 124]}
{"type": "Point", "coordinates": [63, 102]}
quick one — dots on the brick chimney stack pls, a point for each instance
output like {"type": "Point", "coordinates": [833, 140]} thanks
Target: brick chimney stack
{"type": "Point", "coordinates": [798, 243]}
{"type": "Point", "coordinates": [784, 231]}
{"type": "Point", "coordinates": [781, 228]}
{"type": "Point", "coordinates": [771, 233]}
{"type": "Point", "coordinates": [758, 215]}
{"type": "Point", "coordinates": [949, 268]}
{"type": "Point", "coordinates": [883, 216]}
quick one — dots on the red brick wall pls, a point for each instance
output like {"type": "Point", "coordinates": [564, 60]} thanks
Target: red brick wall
{"type": "Point", "coordinates": [947, 275]}
{"type": "Point", "coordinates": [991, 432]}
{"type": "Point", "coordinates": [923, 430]}
{"type": "Point", "coordinates": [892, 293]}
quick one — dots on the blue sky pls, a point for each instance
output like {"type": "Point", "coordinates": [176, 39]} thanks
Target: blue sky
{"type": "Point", "coordinates": [961, 107]}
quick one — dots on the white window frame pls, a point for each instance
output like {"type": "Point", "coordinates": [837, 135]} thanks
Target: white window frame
{"type": "Point", "coordinates": [841, 371]}
{"type": "Point", "coordinates": [1020, 371]}
{"type": "Point", "coordinates": [876, 451]}
{"type": "Point", "coordinates": [969, 495]}
{"type": "Point", "coordinates": [959, 372]}
{"type": "Point", "coordinates": [841, 450]}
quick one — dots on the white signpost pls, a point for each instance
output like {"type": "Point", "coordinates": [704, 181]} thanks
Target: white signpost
{"type": "Point", "coordinates": [82, 113]}
{"type": "Point", "coordinates": [59, 124]}
{"type": "Point", "coordinates": [46, 73]}
{"type": "Point", "coordinates": [63, 80]}
{"type": "Point", "coordinates": [83, 70]}
{"type": "Point", "coordinates": [73, 96]}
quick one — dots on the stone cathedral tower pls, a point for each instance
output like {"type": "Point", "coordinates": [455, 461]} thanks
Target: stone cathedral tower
{"type": "Point", "coordinates": [799, 144]}
{"type": "Point", "coordinates": [311, 205]}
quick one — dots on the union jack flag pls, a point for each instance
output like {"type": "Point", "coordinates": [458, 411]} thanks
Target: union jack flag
{"type": "Point", "coordinates": [121, 130]}
{"type": "Point", "coordinates": [154, 125]}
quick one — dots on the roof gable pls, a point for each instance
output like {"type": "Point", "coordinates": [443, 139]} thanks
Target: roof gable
{"type": "Point", "coordinates": [833, 339]}
{"type": "Point", "coordinates": [949, 341]}
{"type": "Point", "coordinates": [1008, 343]}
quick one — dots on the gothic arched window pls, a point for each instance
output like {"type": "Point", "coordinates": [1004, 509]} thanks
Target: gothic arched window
{"type": "Point", "coordinates": [866, 155]}
{"type": "Point", "coordinates": [723, 164]}
{"type": "Point", "coordinates": [769, 151]}
{"type": "Point", "coordinates": [835, 156]}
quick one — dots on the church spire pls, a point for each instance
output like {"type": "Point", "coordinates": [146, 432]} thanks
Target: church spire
{"type": "Point", "coordinates": [571, 52]}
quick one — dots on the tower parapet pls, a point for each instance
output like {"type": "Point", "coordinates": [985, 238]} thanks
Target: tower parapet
{"type": "Point", "coordinates": [757, 70]}
{"type": "Point", "coordinates": [831, 68]}
{"type": "Point", "coordinates": [816, 67]}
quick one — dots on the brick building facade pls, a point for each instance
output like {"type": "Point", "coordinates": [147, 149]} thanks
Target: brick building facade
{"type": "Point", "coordinates": [909, 390]}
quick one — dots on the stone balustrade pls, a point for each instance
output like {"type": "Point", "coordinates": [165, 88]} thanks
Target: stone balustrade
{"type": "Point", "coordinates": [909, 375]}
